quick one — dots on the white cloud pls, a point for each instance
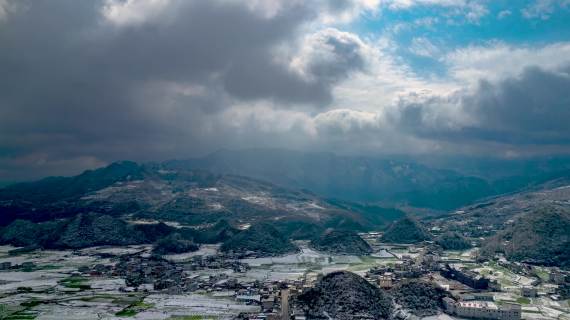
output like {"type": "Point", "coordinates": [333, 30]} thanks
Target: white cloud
{"type": "Point", "coordinates": [423, 47]}
{"type": "Point", "coordinates": [543, 9]}
{"type": "Point", "coordinates": [472, 10]}
{"type": "Point", "coordinates": [384, 80]}
{"type": "Point", "coordinates": [348, 120]}
{"type": "Point", "coordinates": [405, 4]}
{"type": "Point", "coordinates": [503, 14]}
{"type": "Point", "coordinates": [264, 117]}
{"type": "Point", "coordinates": [475, 11]}
{"type": "Point", "coordinates": [497, 61]}
{"type": "Point", "coordinates": [426, 22]}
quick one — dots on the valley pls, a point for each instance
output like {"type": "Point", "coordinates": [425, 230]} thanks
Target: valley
{"type": "Point", "coordinates": [147, 242]}
{"type": "Point", "coordinates": [284, 160]}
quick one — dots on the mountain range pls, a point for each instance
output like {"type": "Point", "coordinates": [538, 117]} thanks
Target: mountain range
{"type": "Point", "coordinates": [208, 200]}
{"type": "Point", "coordinates": [442, 183]}
{"type": "Point", "coordinates": [147, 191]}
{"type": "Point", "coordinates": [128, 203]}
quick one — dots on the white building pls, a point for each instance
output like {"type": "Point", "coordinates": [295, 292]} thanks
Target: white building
{"type": "Point", "coordinates": [483, 310]}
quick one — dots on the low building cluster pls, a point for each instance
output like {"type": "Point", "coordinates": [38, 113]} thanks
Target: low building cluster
{"type": "Point", "coordinates": [216, 262]}
{"type": "Point", "coordinates": [28, 265]}
{"type": "Point", "coordinates": [386, 276]}
{"type": "Point", "coordinates": [149, 272]}
{"type": "Point", "coordinates": [152, 273]}
{"type": "Point", "coordinates": [273, 299]}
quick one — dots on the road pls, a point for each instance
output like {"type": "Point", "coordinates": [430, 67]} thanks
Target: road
{"type": "Point", "coordinates": [285, 304]}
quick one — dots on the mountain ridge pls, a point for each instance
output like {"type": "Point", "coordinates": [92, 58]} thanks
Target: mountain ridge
{"type": "Point", "coordinates": [186, 196]}
{"type": "Point", "coordinates": [541, 236]}
{"type": "Point", "coordinates": [438, 184]}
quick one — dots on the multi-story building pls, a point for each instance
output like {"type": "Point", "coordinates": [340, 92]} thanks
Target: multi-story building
{"type": "Point", "coordinates": [466, 277]}
{"type": "Point", "coordinates": [386, 281]}
{"type": "Point", "coordinates": [5, 265]}
{"type": "Point", "coordinates": [483, 310]}
{"type": "Point", "coordinates": [529, 292]}
{"type": "Point", "coordinates": [557, 277]}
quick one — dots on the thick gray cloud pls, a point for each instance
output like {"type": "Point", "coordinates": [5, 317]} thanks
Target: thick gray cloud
{"type": "Point", "coordinates": [530, 109]}
{"type": "Point", "coordinates": [76, 85]}
{"type": "Point", "coordinates": [88, 82]}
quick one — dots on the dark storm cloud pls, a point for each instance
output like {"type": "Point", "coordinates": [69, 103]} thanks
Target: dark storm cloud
{"type": "Point", "coordinates": [257, 78]}
{"type": "Point", "coordinates": [345, 56]}
{"type": "Point", "coordinates": [76, 86]}
{"type": "Point", "coordinates": [531, 109]}
{"type": "Point", "coordinates": [333, 56]}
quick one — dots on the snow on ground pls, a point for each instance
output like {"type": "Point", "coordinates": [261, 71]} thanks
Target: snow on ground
{"type": "Point", "coordinates": [441, 316]}
{"type": "Point", "coordinates": [37, 280]}
{"type": "Point", "coordinates": [173, 224]}
{"type": "Point", "coordinates": [116, 250]}
{"type": "Point", "coordinates": [77, 309]}
{"type": "Point", "coordinates": [106, 284]}
{"type": "Point", "coordinates": [307, 255]}
{"type": "Point", "coordinates": [261, 199]}
{"type": "Point", "coordinates": [197, 304]}
{"type": "Point", "coordinates": [205, 250]}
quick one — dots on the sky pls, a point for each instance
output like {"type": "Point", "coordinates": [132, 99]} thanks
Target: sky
{"type": "Point", "coordinates": [85, 83]}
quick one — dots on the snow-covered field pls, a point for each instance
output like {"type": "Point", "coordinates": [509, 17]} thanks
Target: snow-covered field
{"type": "Point", "coordinates": [205, 250]}
{"type": "Point", "coordinates": [52, 300]}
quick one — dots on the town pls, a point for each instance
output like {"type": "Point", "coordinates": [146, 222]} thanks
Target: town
{"type": "Point", "coordinates": [115, 282]}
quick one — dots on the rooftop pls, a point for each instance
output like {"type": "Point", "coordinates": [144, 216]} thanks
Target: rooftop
{"type": "Point", "coordinates": [478, 304]}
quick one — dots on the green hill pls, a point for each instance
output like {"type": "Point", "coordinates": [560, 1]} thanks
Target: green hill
{"type": "Point", "coordinates": [343, 295]}
{"type": "Point", "coordinates": [219, 232]}
{"type": "Point", "coordinates": [298, 229]}
{"type": "Point", "coordinates": [87, 230]}
{"type": "Point", "coordinates": [453, 241]}
{"type": "Point", "coordinates": [84, 230]}
{"type": "Point", "coordinates": [341, 242]}
{"type": "Point", "coordinates": [541, 237]}
{"type": "Point", "coordinates": [421, 298]}
{"type": "Point", "coordinates": [262, 239]}
{"type": "Point", "coordinates": [406, 230]}
{"type": "Point", "coordinates": [174, 243]}
{"type": "Point", "coordinates": [24, 233]}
